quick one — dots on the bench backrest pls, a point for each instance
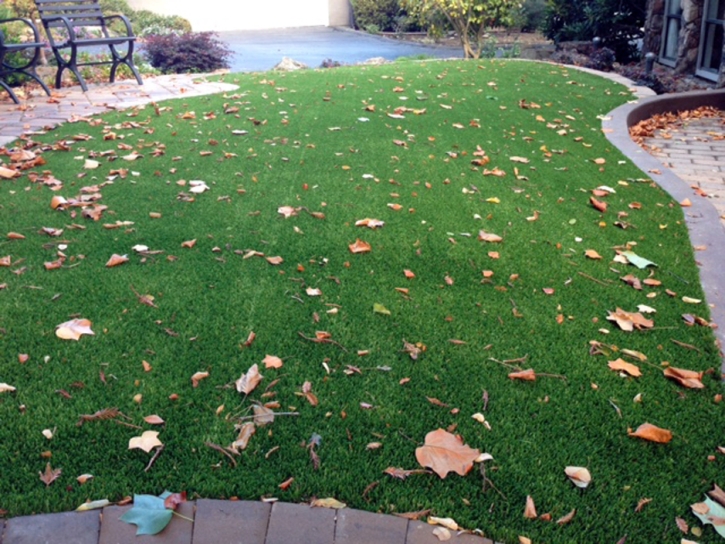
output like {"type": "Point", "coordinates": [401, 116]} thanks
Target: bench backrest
{"type": "Point", "coordinates": [79, 12]}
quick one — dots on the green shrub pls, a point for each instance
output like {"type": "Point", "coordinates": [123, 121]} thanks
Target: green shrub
{"type": "Point", "coordinates": [380, 14]}
{"type": "Point", "coordinates": [145, 22]}
{"type": "Point", "coordinates": [531, 16]}
{"type": "Point", "coordinates": [617, 22]}
{"type": "Point", "coordinates": [190, 52]}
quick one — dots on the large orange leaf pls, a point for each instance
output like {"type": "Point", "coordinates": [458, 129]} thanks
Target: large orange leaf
{"type": "Point", "coordinates": [628, 321]}
{"type": "Point", "coordinates": [686, 378]}
{"type": "Point", "coordinates": [444, 453]}
{"type": "Point", "coordinates": [623, 366]}
{"type": "Point", "coordinates": [527, 375]}
{"type": "Point", "coordinates": [650, 432]}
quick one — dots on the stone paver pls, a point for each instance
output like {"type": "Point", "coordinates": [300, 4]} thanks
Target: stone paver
{"type": "Point", "coordinates": [358, 527]}
{"type": "Point", "coordinates": [67, 527]}
{"type": "Point", "coordinates": [695, 150]}
{"type": "Point", "coordinates": [301, 524]}
{"type": "Point", "coordinates": [115, 531]}
{"type": "Point", "coordinates": [230, 522]}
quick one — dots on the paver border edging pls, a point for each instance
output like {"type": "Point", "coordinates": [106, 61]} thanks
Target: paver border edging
{"type": "Point", "coordinates": [703, 221]}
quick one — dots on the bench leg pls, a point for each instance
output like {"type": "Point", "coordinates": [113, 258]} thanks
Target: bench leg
{"type": "Point", "coordinates": [71, 65]}
{"type": "Point", "coordinates": [126, 59]}
{"type": "Point", "coordinates": [10, 91]}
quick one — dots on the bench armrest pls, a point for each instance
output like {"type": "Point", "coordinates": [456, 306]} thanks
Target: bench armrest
{"type": "Point", "coordinates": [36, 34]}
{"type": "Point", "coordinates": [66, 22]}
{"type": "Point", "coordinates": [129, 30]}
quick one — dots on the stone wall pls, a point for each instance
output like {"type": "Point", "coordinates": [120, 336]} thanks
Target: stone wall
{"type": "Point", "coordinates": [653, 26]}
{"type": "Point", "coordinates": [689, 36]}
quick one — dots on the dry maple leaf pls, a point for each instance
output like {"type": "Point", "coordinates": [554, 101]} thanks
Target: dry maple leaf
{"type": "Point", "coordinates": [197, 377]}
{"type": "Point", "coordinates": [369, 223]}
{"type": "Point", "coordinates": [717, 494]}
{"type": "Point", "coordinates": [652, 433]}
{"type": "Point", "coordinates": [73, 329]}
{"type": "Point", "coordinates": [100, 415]}
{"type": "Point", "coordinates": [526, 375]}
{"type": "Point", "coordinates": [359, 247]}
{"type": "Point", "coordinates": [686, 378]}
{"type": "Point", "coordinates": [579, 476]}
{"type": "Point", "coordinates": [146, 442]}
{"type": "Point", "coordinates": [287, 211]}
{"type": "Point", "coordinates": [274, 260]}
{"type": "Point", "coordinates": [247, 382]}
{"type": "Point", "coordinates": [50, 475]}
{"type": "Point", "coordinates": [262, 415]}
{"type": "Point", "coordinates": [592, 254]}
{"type": "Point", "coordinates": [246, 431]}
{"type": "Point", "coordinates": [444, 453]}
{"type": "Point", "coordinates": [328, 503]}
{"type": "Point", "coordinates": [530, 508]}
{"type": "Point", "coordinates": [567, 518]}
{"type": "Point", "coordinates": [489, 237]}
{"type": "Point", "coordinates": [448, 523]}
{"type": "Point", "coordinates": [116, 260]}
{"type": "Point", "coordinates": [621, 365]}
{"type": "Point", "coordinates": [272, 361]}
{"type": "Point", "coordinates": [628, 321]}
{"type": "Point", "coordinates": [414, 516]}
{"type": "Point", "coordinates": [401, 473]}
{"type": "Point", "coordinates": [598, 204]}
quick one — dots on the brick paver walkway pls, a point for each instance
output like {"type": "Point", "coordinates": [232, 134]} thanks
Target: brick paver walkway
{"type": "Point", "coordinates": [40, 111]}
{"type": "Point", "coordinates": [229, 522]}
{"type": "Point", "coordinates": [695, 150]}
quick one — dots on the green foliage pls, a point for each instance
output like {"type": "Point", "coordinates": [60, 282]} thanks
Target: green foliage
{"type": "Point", "coordinates": [22, 8]}
{"type": "Point", "coordinates": [378, 14]}
{"type": "Point", "coordinates": [468, 18]}
{"type": "Point", "coordinates": [617, 22]}
{"type": "Point", "coordinates": [146, 23]}
{"type": "Point", "coordinates": [531, 16]}
{"type": "Point", "coordinates": [191, 52]}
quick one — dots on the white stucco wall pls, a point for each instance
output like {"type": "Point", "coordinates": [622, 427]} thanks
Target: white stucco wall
{"type": "Point", "coordinates": [220, 15]}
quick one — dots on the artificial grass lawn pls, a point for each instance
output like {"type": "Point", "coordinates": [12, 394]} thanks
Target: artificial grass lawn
{"type": "Point", "coordinates": [307, 147]}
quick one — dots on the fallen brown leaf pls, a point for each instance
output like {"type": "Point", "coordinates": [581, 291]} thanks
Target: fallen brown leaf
{"type": "Point", "coordinates": [652, 433]}
{"type": "Point", "coordinates": [444, 453]}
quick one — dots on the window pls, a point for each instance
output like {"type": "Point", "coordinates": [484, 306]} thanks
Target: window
{"type": "Point", "coordinates": [671, 32]}
{"type": "Point", "coordinates": [711, 39]}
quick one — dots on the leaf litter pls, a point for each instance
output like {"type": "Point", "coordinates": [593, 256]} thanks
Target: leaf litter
{"type": "Point", "coordinates": [412, 352]}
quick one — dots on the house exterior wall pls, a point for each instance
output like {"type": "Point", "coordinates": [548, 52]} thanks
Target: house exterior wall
{"type": "Point", "coordinates": [689, 39]}
{"type": "Point", "coordinates": [218, 15]}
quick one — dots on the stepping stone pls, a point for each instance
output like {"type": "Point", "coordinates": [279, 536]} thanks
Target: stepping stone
{"type": "Point", "coordinates": [231, 522]}
{"type": "Point", "coordinates": [68, 527]}
{"type": "Point", "coordinates": [300, 524]}
{"type": "Point", "coordinates": [358, 527]}
{"type": "Point", "coordinates": [115, 531]}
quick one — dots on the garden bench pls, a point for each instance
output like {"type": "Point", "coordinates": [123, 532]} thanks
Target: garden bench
{"type": "Point", "coordinates": [75, 24]}
{"type": "Point", "coordinates": [10, 66]}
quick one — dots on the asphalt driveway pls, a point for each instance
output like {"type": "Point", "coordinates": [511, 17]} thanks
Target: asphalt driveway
{"type": "Point", "coordinates": [258, 50]}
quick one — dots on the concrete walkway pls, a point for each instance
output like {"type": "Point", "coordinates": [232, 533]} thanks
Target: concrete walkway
{"type": "Point", "coordinates": [221, 522]}
{"type": "Point", "coordinates": [260, 50]}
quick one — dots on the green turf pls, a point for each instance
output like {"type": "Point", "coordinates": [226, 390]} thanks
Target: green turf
{"type": "Point", "coordinates": [309, 149]}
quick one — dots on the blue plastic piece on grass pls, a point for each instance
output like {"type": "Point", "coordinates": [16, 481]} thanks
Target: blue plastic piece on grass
{"type": "Point", "coordinates": [149, 514]}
